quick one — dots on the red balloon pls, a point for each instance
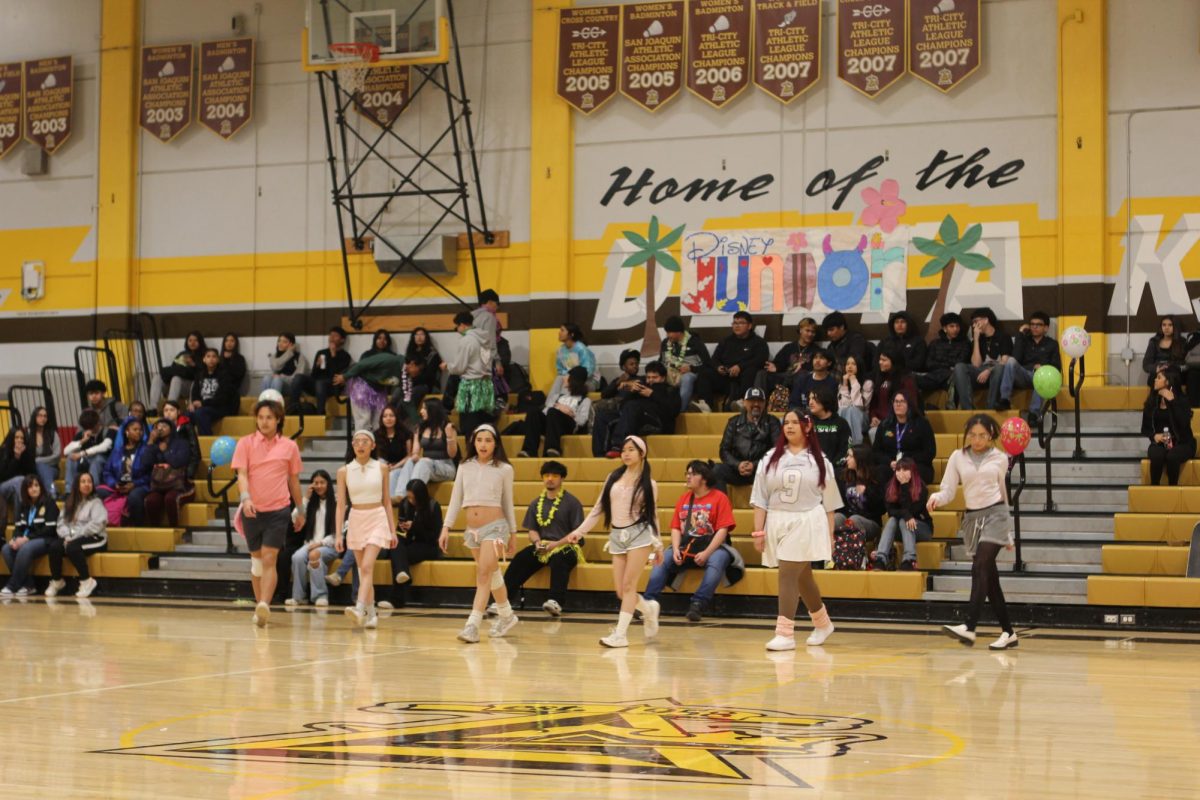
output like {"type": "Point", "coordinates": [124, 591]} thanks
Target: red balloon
{"type": "Point", "coordinates": [1015, 436]}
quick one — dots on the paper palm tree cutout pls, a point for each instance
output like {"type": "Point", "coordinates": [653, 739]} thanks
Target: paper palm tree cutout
{"type": "Point", "coordinates": [946, 253]}
{"type": "Point", "coordinates": [652, 252]}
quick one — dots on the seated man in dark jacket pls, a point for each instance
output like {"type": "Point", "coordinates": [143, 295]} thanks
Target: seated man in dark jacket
{"type": "Point", "coordinates": [1032, 348]}
{"type": "Point", "coordinates": [951, 347]}
{"type": "Point", "coordinates": [903, 337]}
{"type": "Point", "coordinates": [612, 397]}
{"type": "Point", "coordinates": [844, 342]}
{"type": "Point", "coordinates": [326, 376]}
{"type": "Point", "coordinates": [747, 438]}
{"type": "Point", "coordinates": [738, 359]}
{"type": "Point", "coordinates": [651, 408]}
{"type": "Point", "coordinates": [689, 368]}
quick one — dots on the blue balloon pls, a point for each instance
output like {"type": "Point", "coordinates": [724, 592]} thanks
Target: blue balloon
{"type": "Point", "coordinates": [222, 451]}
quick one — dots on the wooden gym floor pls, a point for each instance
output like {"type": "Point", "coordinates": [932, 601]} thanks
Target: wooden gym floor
{"type": "Point", "coordinates": [131, 699]}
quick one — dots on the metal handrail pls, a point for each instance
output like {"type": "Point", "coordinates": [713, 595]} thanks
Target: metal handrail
{"type": "Point", "coordinates": [1045, 437]}
{"type": "Point", "coordinates": [223, 495]}
{"type": "Point", "coordinates": [1075, 389]}
{"type": "Point", "coordinates": [1014, 496]}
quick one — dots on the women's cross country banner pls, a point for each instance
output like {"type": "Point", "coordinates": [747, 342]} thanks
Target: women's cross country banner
{"type": "Point", "coordinates": [652, 52]}
{"type": "Point", "coordinates": [944, 42]}
{"type": "Point", "coordinates": [49, 92]}
{"type": "Point", "coordinates": [166, 96]}
{"type": "Point", "coordinates": [588, 44]}
{"type": "Point", "coordinates": [226, 85]}
{"type": "Point", "coordinates": [10, 106]}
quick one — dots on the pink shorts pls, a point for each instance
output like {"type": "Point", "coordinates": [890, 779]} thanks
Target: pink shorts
{"type": "Point", "coordinates": [368, 526]}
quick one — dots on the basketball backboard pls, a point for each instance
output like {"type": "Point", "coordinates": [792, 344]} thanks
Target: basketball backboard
{"type": "Point", "coordinates": [405, 31]}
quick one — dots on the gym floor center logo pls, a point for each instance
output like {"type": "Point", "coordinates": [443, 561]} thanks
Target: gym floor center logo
{"type": "Point", "coordinates": [655, 739]}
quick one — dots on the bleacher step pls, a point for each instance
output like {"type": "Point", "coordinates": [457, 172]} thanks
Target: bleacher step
{"type": "Point", "coordinates": [1115, 421]}
{"type": "Point", "coordinates": [1075, 498]}
{"type": "Point", "coordinates": [1087, 471]}
{"type": "Point", "coordinates": [1016, 584]}
{"type": "Point", "coordinates": [1011, 597]}
{"type": "Point", "coordinates": [203, 563]}
{"type": "Point", "coordinates": [1031, 567]}
{"type": "Point", "coordinates": [1039, 554]}
{"type": "Point", "coordinates": [196, 575]}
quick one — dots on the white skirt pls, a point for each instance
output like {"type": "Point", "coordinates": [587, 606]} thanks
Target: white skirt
{"type": "Point", "coordinates": [797, 536]}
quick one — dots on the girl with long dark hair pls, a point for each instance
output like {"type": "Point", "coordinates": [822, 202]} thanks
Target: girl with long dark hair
{"type": "Point", "coordinates": [233, 361]}
{"type": "Point", "coordinates": [421, 346]}
{"type": "Point", "coordinates": [986, 526]}
{"type": "Point", "coordinates": [1167, 423]}
{"type": "Point", "coordinates": [316, 550]}
{"type": "Point", "coordinates": [33, 534]}
{"type": "Point", "coordinates": [179, 373]}
{"type": "Point", "coordinates": [629, 503]}
{"type": "Point", "coordinates": [420, 522]}
{"type": "Point", "coordinates": [393, 446]}
{"type": "Point", "coordinates": [371, 523]}
{"type": "Point", "coordinates": [794, 500]}
{"type": "Point", "coordinates": [1167, 348]}
{"type": "Point", "coordinates": [862, 493]}
{"type": "Point", "coordinates": [82, 530]}
{"type": "Point", "coordinates": [47, 448]}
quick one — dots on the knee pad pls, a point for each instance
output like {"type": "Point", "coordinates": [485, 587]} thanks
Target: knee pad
{"type": "Point", "coordinates": [497, 579]}
{"type": "Point", "coordinates": [256, 567]}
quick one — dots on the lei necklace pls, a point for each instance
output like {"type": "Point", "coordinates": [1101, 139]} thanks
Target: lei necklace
{"type": "Point", "coordinates": [545, 523]}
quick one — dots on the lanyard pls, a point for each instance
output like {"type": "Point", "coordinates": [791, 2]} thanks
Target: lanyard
{"type": "Point", "coordinates": [900, 430]}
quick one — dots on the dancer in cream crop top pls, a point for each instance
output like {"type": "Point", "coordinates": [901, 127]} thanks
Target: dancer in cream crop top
{"type": "Point", "coordinates": [364, 483]}
{"type": "Point", "coordinates": [487, 485]}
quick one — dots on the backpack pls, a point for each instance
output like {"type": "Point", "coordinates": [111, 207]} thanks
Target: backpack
{"type": "Point", "coordinates": [781, 399]}
{"type": "Point", "coordinates": [849, 547]}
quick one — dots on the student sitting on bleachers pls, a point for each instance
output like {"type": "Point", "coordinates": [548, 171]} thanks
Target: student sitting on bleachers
{"type": "Point", "coordinates": [738, 359]}
{"type": "Point", "coordinates": [185, 430]}
{"type": "Point", "coordinates": [47, 448]}
{"type": "Point", "coordinates": [821, 375]}
{"type": "Point", "coordinates": [327, 377]}
{"type": "Point", "coordinates": [127, 471]}
{"type": "Point", "coordinates": [947, 351]}
{"type": "Point", "coordinates": [33, 533]}
{"type": "Point", "coordinates": [434, 449]}
{"type": "Point", "coordinates": [904, 499]}
{"type": "Point", "coordinates": [418, 523]}
{"type": "Point", "coordinates": [990, 350]}
{"type": "Point", "coordinates": [137, 410]}
{"type": "Point", "coordinates": [179, 373]}
{"type": "Point", "coordinates": [110, 411]}
{"type": "Point", "coordinates": [573, 352]}
{"type": "Point", "coordinates": [700, 537]}
{"type": "Point", "coordinates": [421, 347]}
{"type": "Point", "coordinates": [689, 367]}
{"type": "Point", "coordinates": [862, 492]}
{"type": "Point", "coordinates": [17, 462]}
{"type": "Point", "coordinates": [905, 432]}
{"type": "Point", "coordinates": [287, 363]}
{"type": "Point", "coordinates": [1167, 422]}
{"type": "Point", "coordinates": [1167, 348]}
{"type": "Point", "coordinates": [214, 394]}
{"type": "Point", "coordinates": [832, 431]}
{"type": "Point", "coordinates": [614, 395]}
{"type": "Point", "coordinates": [88, 451]}
{"type": "Point", "coordinates": [566, 411]}
{"type": "Point", "coordinates": [235, 363]}
{"type": "Point", "coordinates": [313, 551]}
{"type": "Point", "coordinates": [393, 446]}
{"type": "Point", "coordinates": [891, 376]}
{"type": "Point", "coordinates": [792, 359]}
{"type": "Point", "coordinates": [651, 409]}
{"type": "Point", "coordinates": [550, 517]}
{"type": "Point", "coordinates": [1031, 350]}
{"type": "Point", "coordinates": [844, 342]}
{"type": "Point", "coordinates": [410, 393]}
{"type": "Point", "coordinates": [855, 389]}
{"type": "Point", "coordinates": [904, 337]}
{"type": "Point", "coordinates": [170, 487]}
{"type": "Point", "coordinates": [747, 438]}
{"type": "Point", "coordinates": [82, 530]}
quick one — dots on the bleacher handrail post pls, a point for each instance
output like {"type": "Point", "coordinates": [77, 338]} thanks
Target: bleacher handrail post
{"type": "Point", "coordinates": [1075, 389]}
{"type": "Point", "coordinates": [1045, 437]}
{"type": "Point", "coordinates": [223, 496]}
{"type": "Point", "coordinates": [1014, 495]}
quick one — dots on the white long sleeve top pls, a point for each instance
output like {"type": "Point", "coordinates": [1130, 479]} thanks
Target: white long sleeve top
{"type": "Point", "coordinates": [983, 485]}
{"type": "Point", "coordinates": [488, 485]}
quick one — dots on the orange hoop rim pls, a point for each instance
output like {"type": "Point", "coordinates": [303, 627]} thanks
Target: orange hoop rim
{"type": "Point", "coordinates": [363, 52]}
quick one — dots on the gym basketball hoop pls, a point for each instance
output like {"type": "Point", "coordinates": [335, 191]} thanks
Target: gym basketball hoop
{"type": "Point", "coordinates": [353, 60]}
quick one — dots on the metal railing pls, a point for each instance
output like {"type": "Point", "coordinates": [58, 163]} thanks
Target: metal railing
{"type": "Point", "coordinates": [23, 399]}
{"type": "Point", "coordinates": [1075, 389]}
{"type": "Point", "coordinates": [1045, 437]}
{"type": "Point", "coordinates": [1014, 496]}
{"type": "Point", "coordinates": [99, 363]}
{"type": "Point", "coordinates": [9, 418]}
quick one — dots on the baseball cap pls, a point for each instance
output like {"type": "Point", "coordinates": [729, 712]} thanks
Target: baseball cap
{"type": "Point", "coordinates": [754, 393]}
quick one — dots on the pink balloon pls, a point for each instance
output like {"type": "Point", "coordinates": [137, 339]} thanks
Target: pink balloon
{"type": "Point", "coordinates": [1015, 436]}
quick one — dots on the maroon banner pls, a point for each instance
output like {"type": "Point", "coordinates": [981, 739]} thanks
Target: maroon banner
{"type": "Point", "coordinates": [870, 44]}
{"type": "Point", "coordinates": [10, 106]}
{"type": "Point", "coordinates": [945, 41]}
{"type": "Point", "coordinates": [588, 41]}
{"type": "Point", "coordinates": [787, 47]}
{"type": "Point", "coordinates": [49, 92]}
{"type": "Point", "coordinates": [384, 95]}
{"type": "Point", "coordinates": [226, 85]}
{"type": "Point", "coordinates": [652, 52]}
{"type": "Point", "coordinates": [166, 101]}
{"type": "Point", "coordinates": [718, 49]}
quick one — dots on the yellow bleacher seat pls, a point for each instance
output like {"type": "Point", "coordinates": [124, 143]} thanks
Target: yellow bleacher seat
{"type": "Point", "coordinates": [1189, 473]}
{"type": "Point", "coordinates": [101, 565]}
{"type": "Point", "coordinates": [1125, 559]}
{"type": "Point", "coordinates": [1116, 590]}
{"type": "Point", "coordinates": [1165, 528]}
{"type": "Point", "coordinates": [1164, 499]}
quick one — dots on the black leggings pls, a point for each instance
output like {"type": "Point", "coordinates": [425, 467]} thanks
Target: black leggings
{"type": "Point", "coordinates": [985, 584]}
{"type": "Point", "coordinates": [75, 552]}
{"type": "Point", "coordinates": [1172, 459]}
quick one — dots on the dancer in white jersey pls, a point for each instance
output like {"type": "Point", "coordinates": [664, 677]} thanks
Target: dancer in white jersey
{"type": "Point", "coordinates": [372, 524]}
{"type": "Point", "coordinates": [794, 498]}
{"type": "Point", "coordinates": [483, 490]}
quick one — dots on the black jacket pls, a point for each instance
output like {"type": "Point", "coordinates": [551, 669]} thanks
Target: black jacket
{"type": "Point", "coordinates": [326, 365]}
{"type": "Point", "coordinates": [905, 508]}
{"type": "Point", "coordinates": [834, 436]}
{"type": "Point", "coordinates": [216, 390]}
{"type": "Point", "coordinates": [852, 344]}
{"type": "Point", "coordinates": [1179, 419]}
{"type": "Point", "coordinates": [235, 367]}
{"type": "Point", "coordinates": [186, 431]}
{"type": "Point", "coordinates": [425, 534]}
{"type": "Point", "coordinates": [944, 352]}
{"type": "Point", "coordinates": [912, 345]}
{"type": "Point", "coordinates": [994, 346]}
{"type": "Point", "coordinates": [612, 389]}
{"type": "Point", "coordinates": [659, 409]}
{"type": "Point", "coordinates": [1029, 353]}
{"type": "Point", "coordinates": [750, 353]}
{"type": "Point", "coordinates": [1173, 356]}
{"type": "Point", "coordinates": [872, 505]}
{"type": "Point", "coordinates": [792, 357]}
{"type": "Point", "coordinates": [16, 466]}
{"type": "Point", "coordinates": [44, 524]}
{"type": "Point", "coordinates": [745, 441]}
{"type": "Point", "coordinates": [694, 354]}
{"type": "Point", "coordinates": [918, 443]}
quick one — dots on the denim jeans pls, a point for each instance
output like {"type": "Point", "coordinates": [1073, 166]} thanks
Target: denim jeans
{"type": "Point", "coordinates": [1015, 376]}
{"type": "Point", "coordinates": [856, 418]}
{"type": "Point", "coordinates": [48, 473]}
{"type": "Point", "coordinates": [349, 566]}
{"type": "Point", "coordinates": [280, 383]}
{"type": "Point", "coordinates": [869, 527]}
{"type": "Point", "coordinates": [94, 466]}
{"type": "Point", "coordinates": [664, 573]}
{"type": "Point", "coordinates": [20, 562]}
{"type": "Point", "coordinates": [427, 470]}
{"type": "Point", "coordinates": [314, 577]}
{"type": "Point", "coordinates": [687, 386]}
{"type": "Point", "coordinates": [10, 492]}
{"type": "Point", "coordinates": [965, 381]}
{"type": "Point", "coordinates": [923, 533]}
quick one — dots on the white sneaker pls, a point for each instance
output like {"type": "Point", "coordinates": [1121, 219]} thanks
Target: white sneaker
{"type": "Point", "coordinates": [615, 640]}
{"type": "Point", "coordinates": [356, 615]}
{"type": "Point", "coordinates": [384, 605]}
{"type": "Point", "coordinates": [960, 633]}
{"type": "Point", "coordinates": [469, 634]}
{"type": "Point", "coordinates": [403, 577]}
{"type": "Point", "coordinates": [818, 636]}
{"type": "Point", "coordinates": [1005, 641]}
{"type": "Point", "coordinates": [333, 580]}
{"type": "Point", "coordinates": [322, 602]}
{"type": "Point", "coordinates": [372, 622]}
{"type": "Point", "coordinates": [782, 643]}
{"type": "Point", "coordinates": [703, 406]}
{"type": "Point", "coordinates": [492, 610]}
{"type": "Point", "coordinates": [86, 588]}
{"type": "Point", "coordinates": [552, 608]}
{"type": "Point", "coordinates": [650, 619]}
{"type": "Point", "coordinates": [6, 593]}
{"type": "Point", "coordinates": [262, 613]}
{"type": "Point", "coordinates": [25, 591]}
{"type": "Point", "coordinates": [55, 587]}
{"type": "Point", "coordinates": [503, 625]}
{"type": "Point", "coordinates": [291, 601]}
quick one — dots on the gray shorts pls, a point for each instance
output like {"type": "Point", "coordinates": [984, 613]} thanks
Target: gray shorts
{"type": "Point", "coordinates": [992, 524]}
{"type": "Point", "coordinates": [496, 531]}
{"type": "Point", "coordinates": [268, 529]}
{"type": "Point", "coordinates": [622, 540]}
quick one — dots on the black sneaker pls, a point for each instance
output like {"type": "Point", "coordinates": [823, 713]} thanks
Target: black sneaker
{"type": "Point", "coordinates": [1002, 405]}
{"type": "Point", "coordinates": [882, 564]}
{"type": "Point", "coordinates": [907, 566]}
{"type": "Point", "coordinates": [693, 612]}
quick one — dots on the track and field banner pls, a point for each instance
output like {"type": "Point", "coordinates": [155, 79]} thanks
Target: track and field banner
{"type": "Point", "coordinates": [166, 90]}
{"type": "Point", "coordinates": [787, 47]}
{"type": "Point", "coordinates": [870, 46]}
{"type": "Point", "coordinates": [226, 85]}
{"type": "Point", "coordinates": [385, 93]}
{"type": "Point", "coordinates": [10, 107]}
{"type": "Point", "coordinates": [588, 51]}
{"type": "Point", "coordinates": [49, 95]}
{"type": "Point", "coordinates": [945, 41]}
{"type": "Point", "coordinates": [652, 52]}
{"type": "Point", "coordinates": [718, 59]}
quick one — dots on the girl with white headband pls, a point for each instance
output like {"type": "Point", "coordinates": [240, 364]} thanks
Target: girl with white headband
{"type": "Point", "coordinates": [483, 489]}
{"type": "Point", "coordinates": [372, 524]}
{"type": "Point", "coordinates": [629, 502]}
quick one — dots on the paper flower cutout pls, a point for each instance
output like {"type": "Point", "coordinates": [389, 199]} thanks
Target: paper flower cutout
{"type": "Point", "coordinates": [884, 206]}
{"type": "Point", "coordinates": [797, 241]}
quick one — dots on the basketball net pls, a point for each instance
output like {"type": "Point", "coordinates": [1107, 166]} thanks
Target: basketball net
{"type": "Point", "coordinates": [353, 59]}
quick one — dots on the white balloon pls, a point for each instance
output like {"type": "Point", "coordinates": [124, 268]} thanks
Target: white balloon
{"type": "Point", "coordinates": [1075, 341]}
{"type": "Point", "coordinates": [271, 394]}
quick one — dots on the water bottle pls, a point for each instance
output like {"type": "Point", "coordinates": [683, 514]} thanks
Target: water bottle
{"type": "Point", "coordinates": [1168, 442]}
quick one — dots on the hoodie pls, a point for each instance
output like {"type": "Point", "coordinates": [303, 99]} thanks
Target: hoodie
{"type": "Point", "coordinates": [944, 352]}
{"type": "Point", "coordinates": [472, 359]}
{"type": "Point", "coordinates": [912, 344]}
{"type": "Point", "coordinates": [141, 463]}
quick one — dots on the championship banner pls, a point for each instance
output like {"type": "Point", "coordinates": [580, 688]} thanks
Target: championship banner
{"type": "Point", "coordinates": [588, 42]}
{"type": "Point", "coordinates": [10, 106]}
{"type": "Point", "coordinates": [226, 85]}
{"type": "Point", "coordinates": [166, 97]}
{"type": "Point", "coordinates": [945, 42]}
{"type": "Point", "coordinates": [787, 47]}
{"type": "Point", "coordinates": [49, 91]}
{"type": "Point", "coordinates": [870, 44]}
{"type": "Point", "coordinates": [384, 95]}
{"type": "Point", "coordinates": [652, 52]}
{"type": "Point", "coordinates": [718, 66]}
